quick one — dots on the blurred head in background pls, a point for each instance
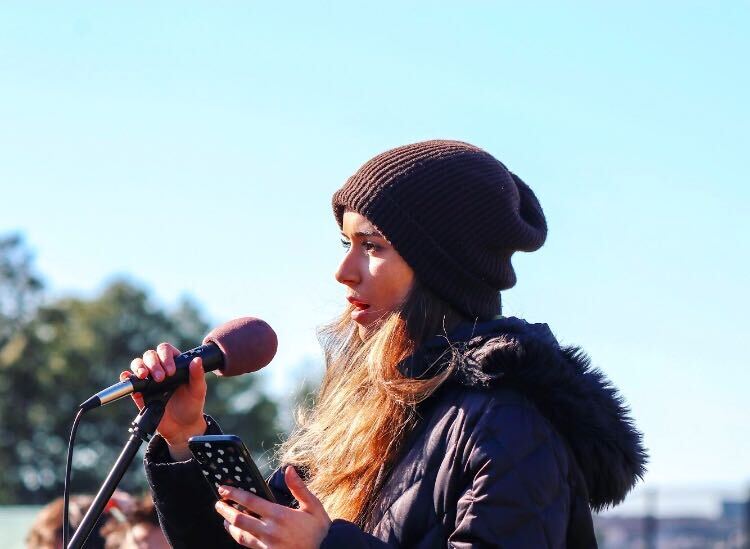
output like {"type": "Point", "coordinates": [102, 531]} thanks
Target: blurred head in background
{"type": "Point", "coordinates": [47, 530]}
{"type": "Point", "coordinates": [138, 529]}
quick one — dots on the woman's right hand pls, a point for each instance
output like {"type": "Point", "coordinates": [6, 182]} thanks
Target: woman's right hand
{"type": "Point", "coordinates": [183, 417]}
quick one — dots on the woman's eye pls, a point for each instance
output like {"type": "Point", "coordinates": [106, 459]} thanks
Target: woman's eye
{"type": "Point", "coordinates": [366, 245]}
{"type": "Point", "coordinates": [370, 246]}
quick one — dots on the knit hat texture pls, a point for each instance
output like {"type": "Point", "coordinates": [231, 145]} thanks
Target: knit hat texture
{"type": "Point", "coordinates": [454, 213]}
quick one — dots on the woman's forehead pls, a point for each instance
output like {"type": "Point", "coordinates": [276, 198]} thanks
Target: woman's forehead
{"type": "Point", "coordinates": [354, 222]}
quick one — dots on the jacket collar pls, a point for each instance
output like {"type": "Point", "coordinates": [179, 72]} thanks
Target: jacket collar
{"type": "Point", "coordinates": [576, 398]}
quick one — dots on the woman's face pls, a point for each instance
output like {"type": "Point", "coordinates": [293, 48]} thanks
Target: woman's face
{"type": "Point", "coordinates": [377, 277]}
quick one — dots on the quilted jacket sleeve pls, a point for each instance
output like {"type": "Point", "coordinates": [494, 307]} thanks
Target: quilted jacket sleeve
{"type": "Point", "coordinates": [516, 493]}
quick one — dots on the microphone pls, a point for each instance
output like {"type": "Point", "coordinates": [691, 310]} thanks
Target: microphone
{"type": "Point", "coordinates": [236, 347]}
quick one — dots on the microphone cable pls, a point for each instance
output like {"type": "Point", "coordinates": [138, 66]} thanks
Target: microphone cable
{"type": "Point", "coordinates": [68, 467]}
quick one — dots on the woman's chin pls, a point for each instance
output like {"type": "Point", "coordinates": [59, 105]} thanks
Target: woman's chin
{"type": "Point", "coordinates": [368, 322]}
{"type": "Point", "coordinates": [363, 331]}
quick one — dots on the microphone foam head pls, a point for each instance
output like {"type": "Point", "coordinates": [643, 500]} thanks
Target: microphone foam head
{"type": "Point", "coordinates": [248, 344]}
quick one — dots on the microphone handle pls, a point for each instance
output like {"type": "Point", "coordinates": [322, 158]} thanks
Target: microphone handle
{"type": "Point", "coordinates": [213, 359]}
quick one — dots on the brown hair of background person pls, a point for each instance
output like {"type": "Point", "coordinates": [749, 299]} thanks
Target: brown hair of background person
{"type": "Point", "coordinates": [138, 529]}
{"type": "Point", "coordinates": [46, 530]}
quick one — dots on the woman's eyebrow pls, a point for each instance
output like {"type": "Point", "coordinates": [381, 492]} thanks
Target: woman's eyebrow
{"type": "Point", "coordinates": [364, 234]}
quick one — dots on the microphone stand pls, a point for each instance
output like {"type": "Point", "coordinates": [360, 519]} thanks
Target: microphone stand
{"type": "Point", "coordinates": [142, 429]}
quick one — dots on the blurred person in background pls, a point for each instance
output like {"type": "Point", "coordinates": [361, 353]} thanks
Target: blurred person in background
{"type": "Point", "coordinates": [46, 530]}
{"type": "Point", "coordinates": [138, 529]}
{"type": "Point", "coordinates": [439, 421]}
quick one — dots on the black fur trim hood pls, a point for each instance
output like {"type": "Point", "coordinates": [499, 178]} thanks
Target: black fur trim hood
{"type": "Point", "coordinates": [574, 396]}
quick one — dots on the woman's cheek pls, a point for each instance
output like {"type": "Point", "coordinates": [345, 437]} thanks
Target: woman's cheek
{"type": "Point", "coordinates": [376, 267]}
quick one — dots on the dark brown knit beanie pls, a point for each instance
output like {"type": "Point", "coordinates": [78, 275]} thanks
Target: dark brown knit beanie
{"type": "Point", "coordinates": [454, 213]}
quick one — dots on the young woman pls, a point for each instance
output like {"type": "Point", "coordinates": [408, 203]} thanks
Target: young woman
{"type": "Point", "coordinates": [439, 422]}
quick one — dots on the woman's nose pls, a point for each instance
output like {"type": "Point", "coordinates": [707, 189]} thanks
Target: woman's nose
{"type": "Point", "coordinates": [347, 272]}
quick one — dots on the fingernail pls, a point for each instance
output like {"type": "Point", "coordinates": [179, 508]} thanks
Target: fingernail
{"type": "Point", "coordinates": [142, 372]}
{"type": "Point", "coordinates": [223, 491]}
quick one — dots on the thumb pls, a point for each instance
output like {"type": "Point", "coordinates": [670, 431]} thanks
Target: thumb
{"type": "Point", "coordinates": [307, 500]}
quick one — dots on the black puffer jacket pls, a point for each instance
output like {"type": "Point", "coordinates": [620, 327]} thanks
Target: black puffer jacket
{"type": "Point", "coordinates": [513, 451]}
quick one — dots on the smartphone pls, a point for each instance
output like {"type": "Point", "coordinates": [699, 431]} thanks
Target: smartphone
{"type": "Point", "coordinates": [224, 459]}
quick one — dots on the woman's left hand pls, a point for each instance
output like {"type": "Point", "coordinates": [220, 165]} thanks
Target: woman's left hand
{"type": "Point", "coordinates": [278, 526]}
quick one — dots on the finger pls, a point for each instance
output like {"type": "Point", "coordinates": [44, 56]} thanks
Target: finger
{"type": "Point", "coordinates": [139, 368]}
{"type": "Point", "coordinates": [246, 539]}
{"type": "Point", "coordinates": [127, 374]}
{"type": "Point", "coordinates": [197, 384]}
{"type": "Point", "coordinates": [251, 502]}
{"type": "Point", "coordinates": [138, 399]}
{"type": "Point", "coordinates": [307, 500]}
{"type": "Point", "coordinates": [245, 529]}
{"type": "Point", "coordinates": [167, 353]}
{"type": "Point", "coordinates": [152, 360]}
{"type": "Point", "coordinates": [240, 519]}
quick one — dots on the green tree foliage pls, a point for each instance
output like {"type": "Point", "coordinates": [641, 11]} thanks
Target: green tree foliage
{"type": "Point", "coordinates": [20, 286]}
{"type": "Point", "coordinates": [52, 357]}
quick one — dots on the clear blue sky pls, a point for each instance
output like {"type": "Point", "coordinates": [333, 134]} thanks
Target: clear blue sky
{"type": "Point", "coordinates": [195, 148]}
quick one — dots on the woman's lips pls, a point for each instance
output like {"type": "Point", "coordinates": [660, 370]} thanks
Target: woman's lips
{"type": "Point", "coordinates": [357, 303]}
{"type": "Point", "coordinates": [360, 308]}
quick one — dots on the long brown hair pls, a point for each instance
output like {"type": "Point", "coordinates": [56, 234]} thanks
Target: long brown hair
{"type": "Point", "coordinates": [346, 443]}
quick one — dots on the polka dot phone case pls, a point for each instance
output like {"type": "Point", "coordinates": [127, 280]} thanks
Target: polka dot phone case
{"type": "Point", "coordinates": [224, 459]}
